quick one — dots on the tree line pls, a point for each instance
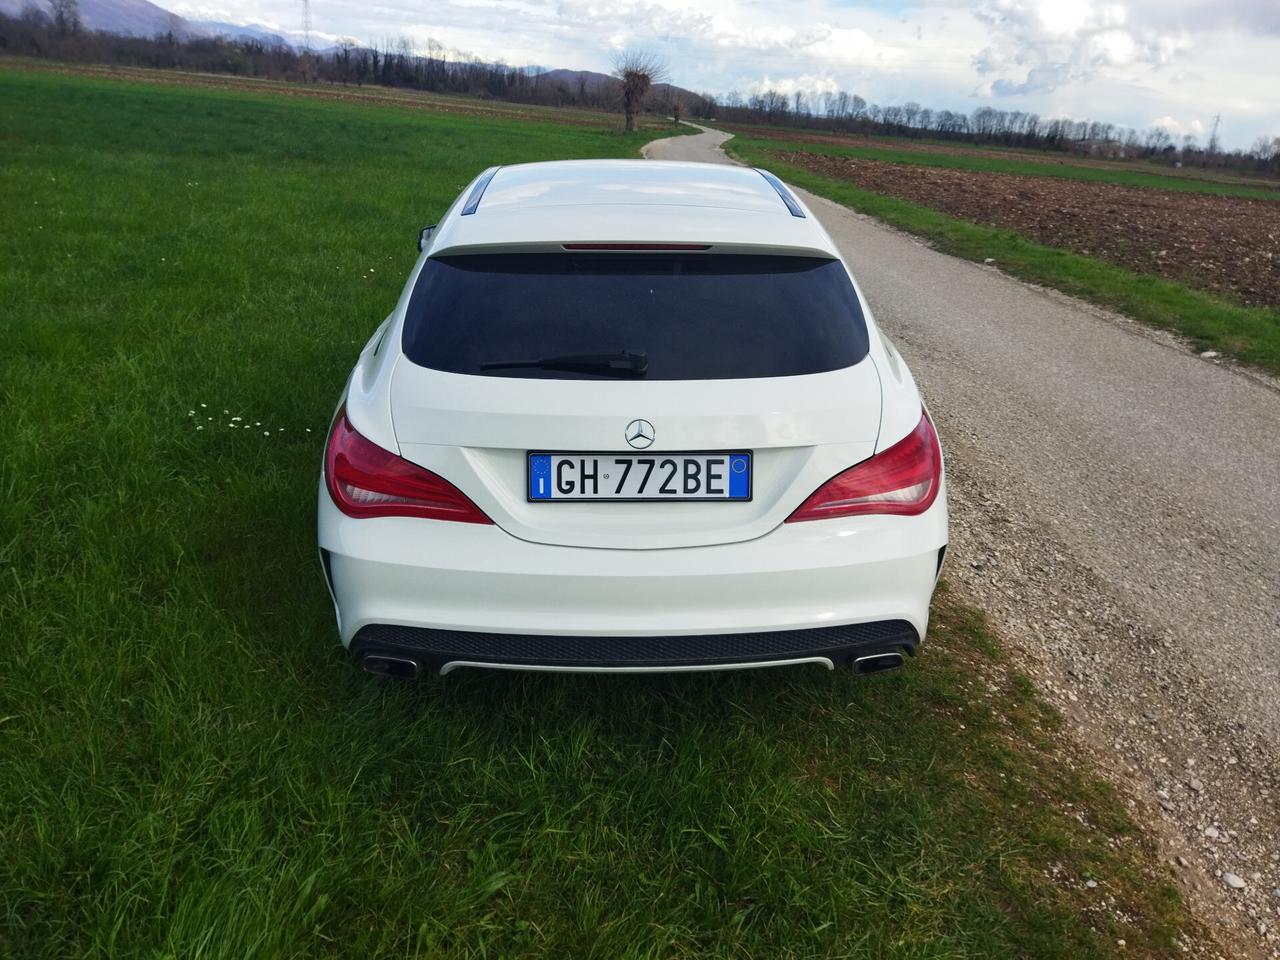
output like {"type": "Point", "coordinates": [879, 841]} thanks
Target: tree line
{"type": "Point", "coordinates": [56, 32]}
{"type": "Point", "coordinates": [840, 112]}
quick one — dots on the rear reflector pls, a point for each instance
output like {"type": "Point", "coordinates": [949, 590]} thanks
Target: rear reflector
{"type": "Point", "coordinates": [636, 246]}
{"type": "Point", "coordinates": [902, 480]}
{"type": "Point", "coordinates": [365, 480]}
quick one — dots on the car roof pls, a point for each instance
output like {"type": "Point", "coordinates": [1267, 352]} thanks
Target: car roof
{"type": "Point", "coordinates": [542, 206]}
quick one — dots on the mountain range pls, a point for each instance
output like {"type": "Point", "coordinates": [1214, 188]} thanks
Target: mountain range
{"type": "Point", "coordinates": [136, 18]}
{"type": "Point", "coordinates": [142, 18]}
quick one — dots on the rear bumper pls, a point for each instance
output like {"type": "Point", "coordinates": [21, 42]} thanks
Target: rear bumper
{"type": "Point", "coordinates": [474, 593]}
{"type": "Point", "coordinates": [445, 650]}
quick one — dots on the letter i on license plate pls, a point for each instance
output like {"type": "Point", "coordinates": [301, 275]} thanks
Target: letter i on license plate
{"type": "Point", "coordinates": [622, 476]}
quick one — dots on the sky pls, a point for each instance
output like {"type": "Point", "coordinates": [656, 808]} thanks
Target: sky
{"type": "Point", "coordinates": [1138, 63]}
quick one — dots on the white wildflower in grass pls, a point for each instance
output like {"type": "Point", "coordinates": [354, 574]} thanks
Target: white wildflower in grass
{"type": "Point", "coordinates": [204, 404]}
{"type": "Point", "coordinates": [200, 426]}
{"type": "Point", "coordinates": [266, 433]}
{"type": "Point", "coordinates": [256, 423]}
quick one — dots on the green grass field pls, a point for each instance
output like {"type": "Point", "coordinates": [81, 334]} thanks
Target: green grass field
{"type": "Point", "coordinates": [1004, 163]}
{"type": "Point", "coordinates": [190, 766]}
{"type": "Point", "coordinates": [1251, 334]}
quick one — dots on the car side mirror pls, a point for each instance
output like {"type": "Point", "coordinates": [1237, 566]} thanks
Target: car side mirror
{"type": "Point", "coordinates": [424, 236]}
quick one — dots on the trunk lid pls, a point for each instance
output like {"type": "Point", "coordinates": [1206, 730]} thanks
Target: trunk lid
{"type": "Point", "coordinates": [476, 432]}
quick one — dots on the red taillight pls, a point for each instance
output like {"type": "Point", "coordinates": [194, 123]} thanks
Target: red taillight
{"type": "Point", "coordinates": [366, 481]}
{"type": "Point", "coordinates": [903, 479]}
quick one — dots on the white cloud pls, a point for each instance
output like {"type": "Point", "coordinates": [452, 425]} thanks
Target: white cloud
{"type": "Point", "coordinates": [1057, 42]}
{"type": "Point", "coordinates": [842, 43]}
{"type": "Point", "coordinates": [808, 85]}
{"type": "Point", "coordinates": [1115, 47]}
{"type": "Point", "coordinates": [1059, 18]}
{"type": "Point", "coordinates": [1178, 127]}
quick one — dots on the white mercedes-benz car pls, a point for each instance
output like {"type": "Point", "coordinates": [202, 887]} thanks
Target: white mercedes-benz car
{"type": "Point", "coordinates": [630, 416]}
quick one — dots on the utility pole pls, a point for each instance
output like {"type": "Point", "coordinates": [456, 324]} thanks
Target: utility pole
{"type": "Point", "coordinates": [1213, 137]}
{"type": "Point", "coordinates": [306, 25]}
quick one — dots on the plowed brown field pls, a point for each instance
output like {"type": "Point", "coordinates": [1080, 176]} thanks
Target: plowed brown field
{"type": "Point", "coordinates": [1228, 245]}
{"type": "Point", "coordinates": [1025, 155]}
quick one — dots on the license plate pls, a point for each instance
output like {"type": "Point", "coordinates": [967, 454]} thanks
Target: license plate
{"type": "Point", "coordinates": [719, 475]}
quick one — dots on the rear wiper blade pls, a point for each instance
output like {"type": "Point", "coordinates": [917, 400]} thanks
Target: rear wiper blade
{"type": "Point", "coordinates": [622, 363]}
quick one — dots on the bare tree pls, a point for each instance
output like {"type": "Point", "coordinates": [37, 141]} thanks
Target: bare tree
{"type": "Point", "coordinates": [842, 105]}
{"type": "Point", "coordinates": [638, 70]}
{"type": "Point", "coordinates": [66, 16]}
{"type": "Point", "coordinates": [1156, 140]}
{"type": "Point", "coordinates": [1266, 154]}
{"type": "Point", "coordinates": [773, 104]}
{"type": "Point", "coordinates": [1265, 148]}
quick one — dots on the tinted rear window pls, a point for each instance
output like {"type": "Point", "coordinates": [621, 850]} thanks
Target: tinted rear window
{"type": "Point", "coordinates": [696, 317]}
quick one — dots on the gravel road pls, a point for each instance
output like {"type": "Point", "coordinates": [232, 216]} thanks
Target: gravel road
{"type": "Point", "coordinates": [1116, 511]}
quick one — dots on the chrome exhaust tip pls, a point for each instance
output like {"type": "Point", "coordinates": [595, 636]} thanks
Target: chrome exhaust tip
{"type": "Point", "coordinates": [399, 668]}
{"type": "Point", "coordinates": [877, 663]}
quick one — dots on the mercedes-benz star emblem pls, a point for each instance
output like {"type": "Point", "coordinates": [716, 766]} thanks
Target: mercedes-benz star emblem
{"type": "Point", "coordinates": [639, 434]}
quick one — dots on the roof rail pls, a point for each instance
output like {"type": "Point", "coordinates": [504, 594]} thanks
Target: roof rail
{"type": "Point", "coordinates": [782, 190]}
{"type": "Point", "coordinates": [473, 201]}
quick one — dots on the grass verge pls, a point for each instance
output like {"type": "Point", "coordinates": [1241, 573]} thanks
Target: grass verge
{"type": "Point", "coordinates": [192, 768]}
{"type": "Point", "coordinates": [1251, 334]}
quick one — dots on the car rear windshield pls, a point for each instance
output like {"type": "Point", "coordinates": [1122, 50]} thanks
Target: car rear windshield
{"type": "Point", "coordinates": [690, 316]}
